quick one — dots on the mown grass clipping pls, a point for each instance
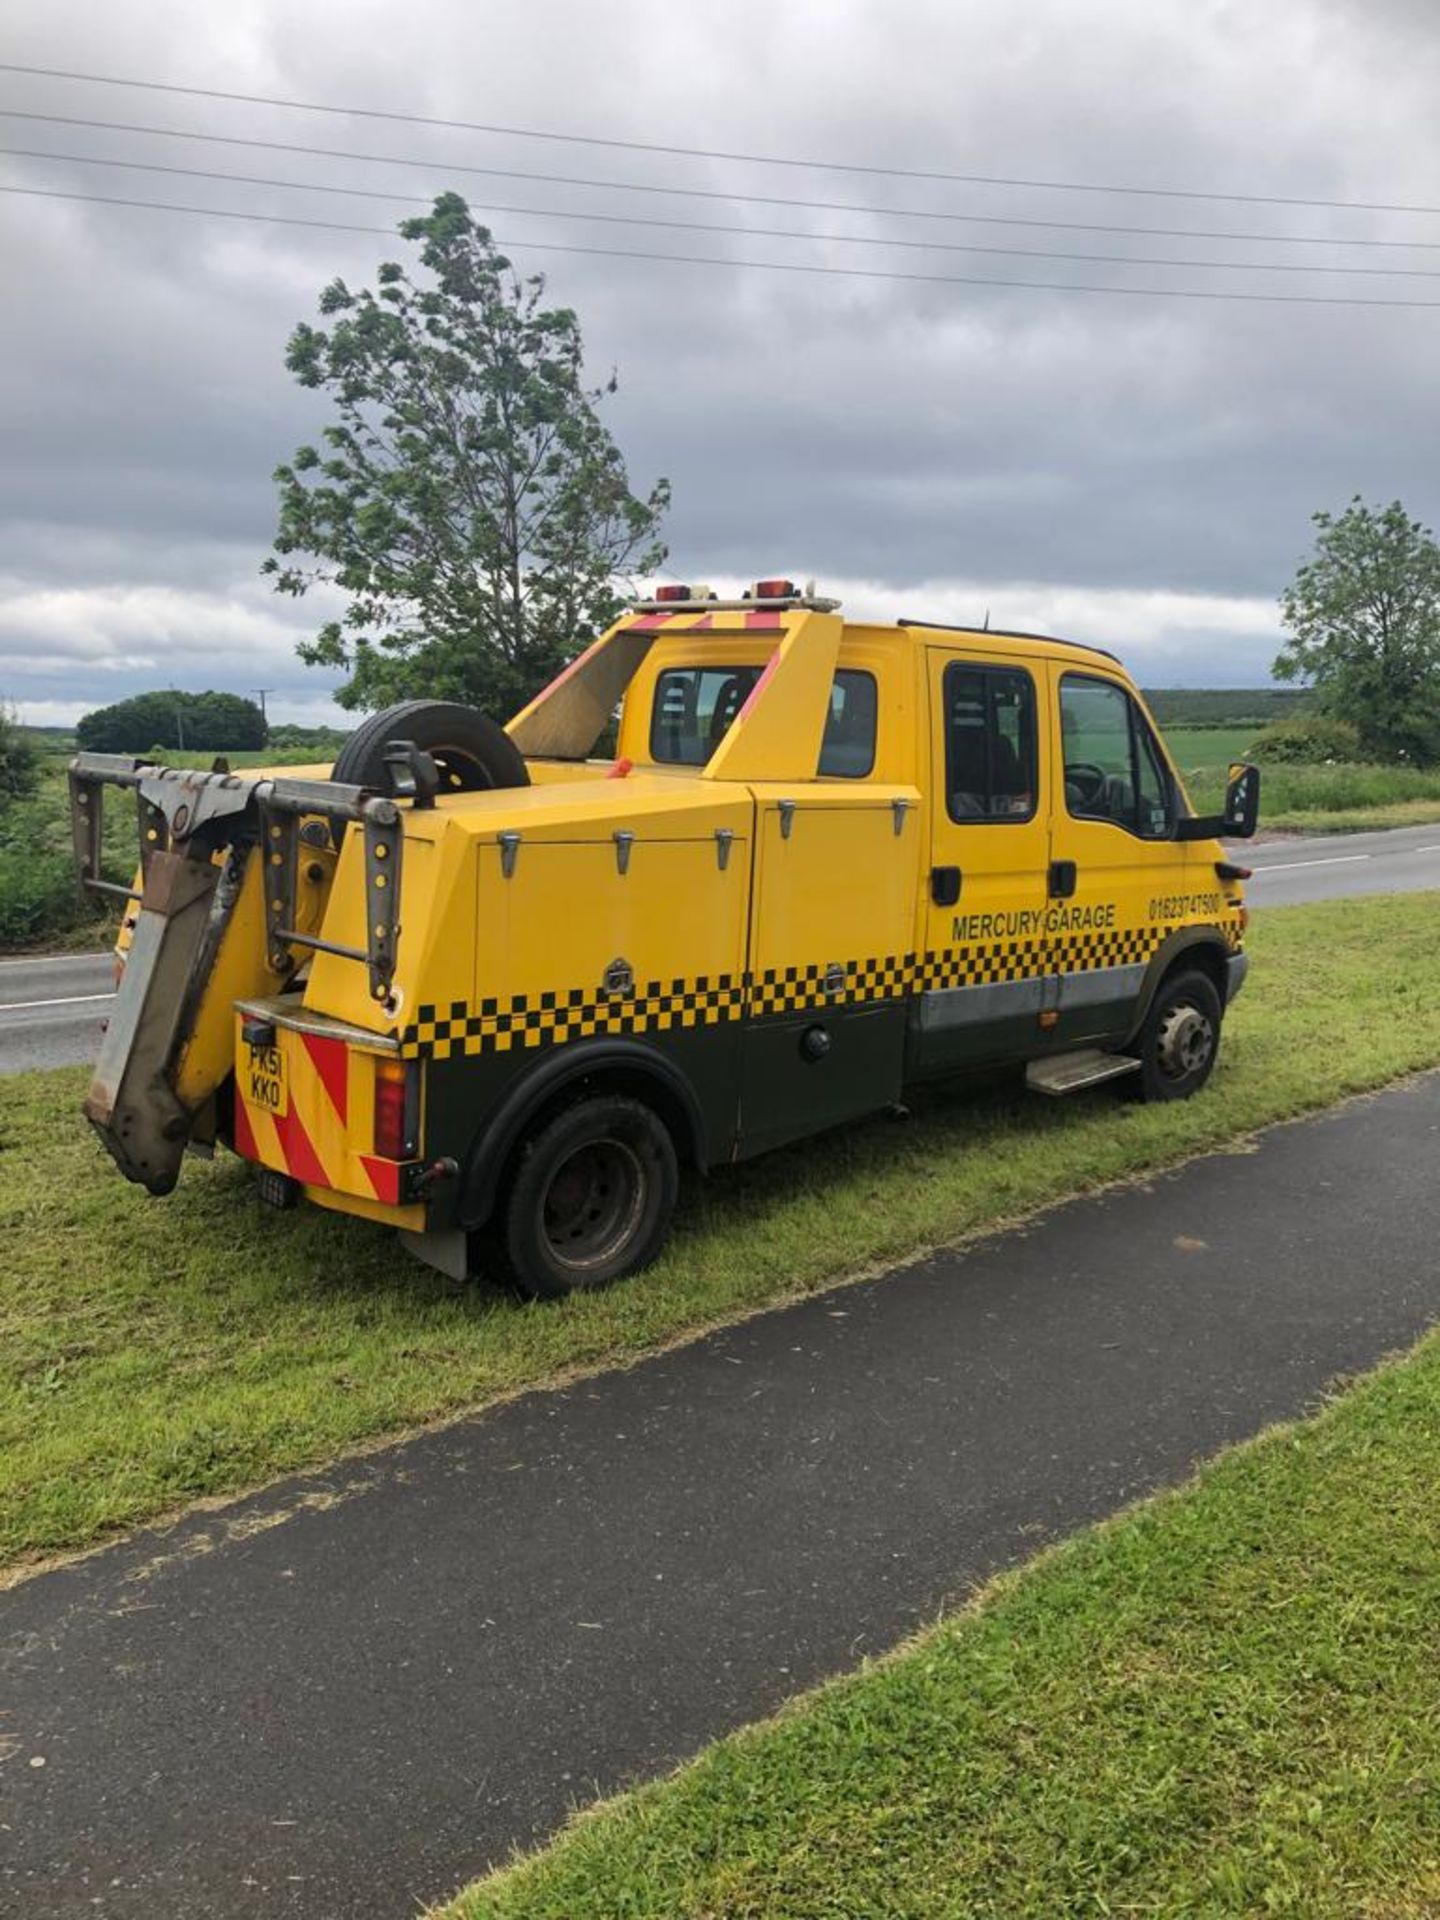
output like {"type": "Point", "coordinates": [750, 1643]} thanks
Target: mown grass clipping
{"type": "Point", "coordinates": [1226, 1702]}
{"type": "Point", "coordinates": [155, 1351]}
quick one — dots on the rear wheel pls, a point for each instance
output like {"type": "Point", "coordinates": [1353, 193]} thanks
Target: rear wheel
{"type": "Point", "coordinates": [591, 1199]}
{"type": "Point", "coordinates": [1180, 1038]}
{"type": "Point", "coordinates": [471, 751]}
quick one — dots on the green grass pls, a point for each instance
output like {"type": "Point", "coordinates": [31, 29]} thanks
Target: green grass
{"type": "Point", "coordinates": [153, 1351]}
{"type": "Point", "coordinates": [1226, 1702]}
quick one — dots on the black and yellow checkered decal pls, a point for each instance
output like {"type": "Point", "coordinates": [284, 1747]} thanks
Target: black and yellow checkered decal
{"type": "Point", "coordinates": [533, 1020]}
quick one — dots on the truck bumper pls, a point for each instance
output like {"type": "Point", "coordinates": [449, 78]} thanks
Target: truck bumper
{"type": "Point", "coordinates": [304, 1111]}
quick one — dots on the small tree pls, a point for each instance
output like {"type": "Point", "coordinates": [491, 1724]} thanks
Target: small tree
{"type": "Point", "coordinates": [19, 759]}
{"type": "Point", "coordinates": [189, 722]}
{"type": "Point", "coordinates": [469, 501]}
{"type": "Point", "coordinates": [1364, 621]}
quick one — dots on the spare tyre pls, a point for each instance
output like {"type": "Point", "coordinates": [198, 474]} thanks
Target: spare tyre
{"type": "Point", "coordinates": [470, 750]}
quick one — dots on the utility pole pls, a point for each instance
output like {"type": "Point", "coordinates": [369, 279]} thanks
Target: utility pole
{"type": "Point", "coordinates": [260, 693]}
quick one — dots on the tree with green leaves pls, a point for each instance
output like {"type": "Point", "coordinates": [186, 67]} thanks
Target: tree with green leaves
{"type": "Point", "coordinates": [1363, 615]}
{"type": "Point", "coordinates": [467, 497]}
{"type": "Point", "coordinates": [186, 722]}
{"type": "Point", "coordinates": [19, 759]}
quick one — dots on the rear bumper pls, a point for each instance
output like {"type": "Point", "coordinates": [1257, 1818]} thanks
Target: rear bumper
{"type": "Point", "coordinates": [305, 1109]}
{"type": "Point", "coordinates": [1236, 968]}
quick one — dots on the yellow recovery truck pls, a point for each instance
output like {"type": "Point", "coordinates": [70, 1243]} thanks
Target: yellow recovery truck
{"type": "Point", "coordinates": [479, 985]}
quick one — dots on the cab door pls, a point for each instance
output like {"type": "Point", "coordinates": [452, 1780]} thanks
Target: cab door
{"type": "Point", "coordinates": [981, 956]}
{"type": "Point", "coordinates": [1118, 875]}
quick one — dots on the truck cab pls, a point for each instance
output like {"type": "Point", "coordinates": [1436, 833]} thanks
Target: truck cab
{"type": "Point", "coordinates": [497, 989]}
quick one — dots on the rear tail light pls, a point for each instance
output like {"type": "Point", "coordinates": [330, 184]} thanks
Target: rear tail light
{"type": "Point", "coordinates": [394, 1110]}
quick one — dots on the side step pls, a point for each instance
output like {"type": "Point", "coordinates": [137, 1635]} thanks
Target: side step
{"type": "Point", "coordinates": [1071, 1072]}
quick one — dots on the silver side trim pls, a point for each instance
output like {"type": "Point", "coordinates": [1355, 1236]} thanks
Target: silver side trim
{"type": "Point", "coordinates": [945, 1008]}
{"type": "Point", "coordinates": [1102, 987]}
{"type": "Point", "coordinates": [949, 1007]}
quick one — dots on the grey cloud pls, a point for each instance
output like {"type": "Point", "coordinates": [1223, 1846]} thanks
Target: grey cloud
{"type": "Point", "coordinates": [903, 432]}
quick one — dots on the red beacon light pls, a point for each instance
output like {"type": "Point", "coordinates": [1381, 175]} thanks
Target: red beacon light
{"type": "Point", "coordinates": [675, 594]}
{"type": "Point", "coordinates": [773, 590]}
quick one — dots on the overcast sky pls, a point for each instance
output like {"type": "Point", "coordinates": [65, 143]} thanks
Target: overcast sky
{"type": "Point", "coordinates": [1131, 470]}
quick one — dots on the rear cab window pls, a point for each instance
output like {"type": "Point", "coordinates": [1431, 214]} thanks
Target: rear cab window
{"type": "Point", "coordinates": [694, 707]}
{"type": "Point", "coordinates": [990, 743]}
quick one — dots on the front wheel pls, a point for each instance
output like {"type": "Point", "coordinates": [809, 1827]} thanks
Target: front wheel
{"type": "Point", "coordinates": [591, 1199]}
{"type": "Point", "coordinates": [1180, 1038]}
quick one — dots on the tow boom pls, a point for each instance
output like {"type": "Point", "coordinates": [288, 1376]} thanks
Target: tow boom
{"type": "Point", "coordinates": [206, 841]}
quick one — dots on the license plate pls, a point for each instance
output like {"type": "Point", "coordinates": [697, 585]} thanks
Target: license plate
{"type": "Point", "coordinates": [263, 1080]}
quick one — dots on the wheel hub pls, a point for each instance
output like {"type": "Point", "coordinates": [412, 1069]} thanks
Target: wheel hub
{"type": "Point", "coordinates": [593, 1203]}
{"type": "Point", "coordinates": [1186, 1041]}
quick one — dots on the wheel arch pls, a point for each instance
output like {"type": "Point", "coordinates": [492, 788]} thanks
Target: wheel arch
{"type": "Point", "coordinates": [1200, 946]}
{"type": "Point", "coordinates": [608, 1066]}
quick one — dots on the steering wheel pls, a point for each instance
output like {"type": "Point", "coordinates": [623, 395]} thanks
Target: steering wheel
{"type": "Point", "coordinates": [1090, 779]}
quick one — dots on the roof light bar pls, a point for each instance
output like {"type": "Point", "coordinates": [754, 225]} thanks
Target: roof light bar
{"type": "Point", "coordinates": [673, 598]}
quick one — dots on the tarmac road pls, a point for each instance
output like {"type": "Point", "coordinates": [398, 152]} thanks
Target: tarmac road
{"type": "Point", "coordinates": [51, 1006]}
{"type": "Point", "coordinates": [1330, 866]}
{"type": "Point", "coordinates": [349, 1693]}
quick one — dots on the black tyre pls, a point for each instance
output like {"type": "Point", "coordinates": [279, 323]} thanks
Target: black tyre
{"type": "Point", "coordinates": [1180, 1038]}
{"type": "Point", "coordinates": [591, 1198]}
{"type": "Point", "coordinates": [471, 751]}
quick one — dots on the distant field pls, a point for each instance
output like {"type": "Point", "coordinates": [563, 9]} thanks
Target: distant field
{"type": "Point", "coordinates": [1195, 748]}
{"type": "Point", "coordinates": [1252, 707]}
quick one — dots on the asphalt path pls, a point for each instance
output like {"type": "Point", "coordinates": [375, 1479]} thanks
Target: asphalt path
{"type": "Point", "coordinates": [349, 1693]}
{"type": "Point", "coordinates": [51, 1006]}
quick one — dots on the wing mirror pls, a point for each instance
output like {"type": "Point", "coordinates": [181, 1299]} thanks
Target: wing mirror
{"type": "Point", "coordinates": [1242, 809]}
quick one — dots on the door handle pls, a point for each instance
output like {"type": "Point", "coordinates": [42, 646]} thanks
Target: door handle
{"type": "Point", "coordinates": [1063, 876]}
{"type": "Point", "coordinates": [944, 885]}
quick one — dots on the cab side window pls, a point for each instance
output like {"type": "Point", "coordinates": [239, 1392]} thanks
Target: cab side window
{"type": "Point", "coordinates": [1113, 766]}
{"type": "Point", "coordinates": [990, 752]}
{"type": "Point", "coordinates": [848, 747]}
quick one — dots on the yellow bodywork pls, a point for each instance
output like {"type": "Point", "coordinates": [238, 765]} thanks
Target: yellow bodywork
{"type": "Point", "coordinates": [633, 898]}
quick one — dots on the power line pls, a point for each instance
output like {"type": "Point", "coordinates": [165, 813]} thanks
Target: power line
{"type": "Point", "coordinates": [711, 226]}
{"type": "Point", "coordinates": [704, 193]}
{"type": "Point", "coordinates": [704, 153]}
{"type": "Point", "coordinates": [757, 266]}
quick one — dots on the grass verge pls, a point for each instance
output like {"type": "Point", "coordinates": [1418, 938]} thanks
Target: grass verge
{"type": "Point", "coordinates": [158, 1351]}
{"type": "Point", "coordinates": [1224, 1702]}
{"type": "Point", "coordinates": [1402, 813]}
